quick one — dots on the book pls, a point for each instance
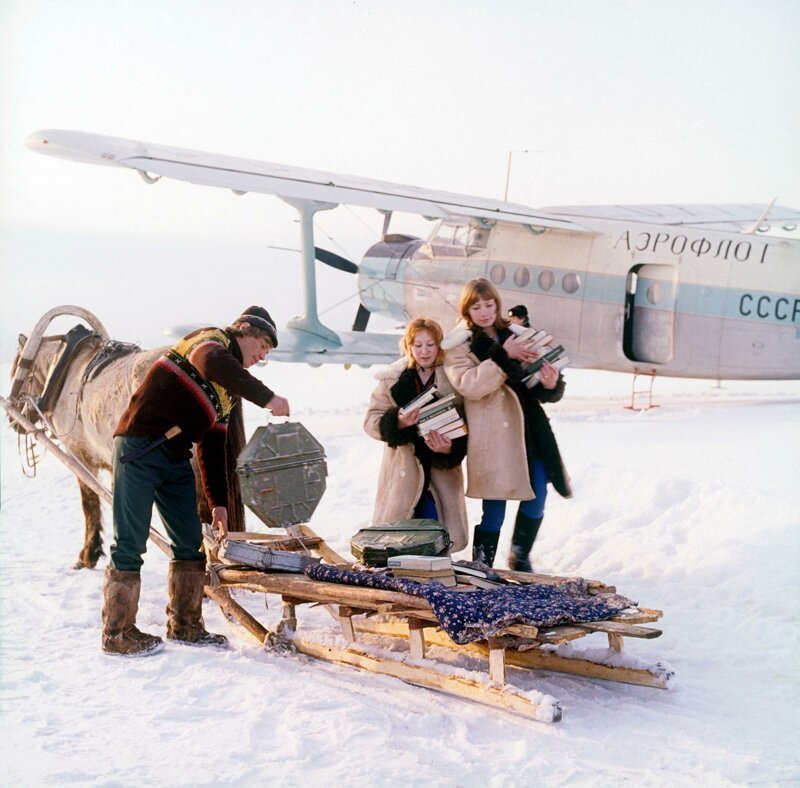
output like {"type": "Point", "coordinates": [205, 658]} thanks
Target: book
{"type": "Point", "coordinates": [419, 562]}
{"type": "Point", "coordinates": [419, 400]}
{"type": "Point", "coordinates": [543, 343]}
{"type": "Point", "coordinates": [473, 569]}
{"type": "Point", "coordinates": [559, 363]}
{"type": "Point", "coordinates": [535, 337]}
{"type": "Point", "coordinates": [480, 582]}
{"type": "Point", "coordinates": [438, 405]}
{"type": "Point", "coordinates": [459, 431]}
{"type": "Point", "coordinates": [400, 572]}
{"type": "Point", "coordinates": [434, 423]}
{"type": "Point", "coordinates": [450, 582]}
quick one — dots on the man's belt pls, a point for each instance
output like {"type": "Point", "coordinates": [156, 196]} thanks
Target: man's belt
{"type": "Point", "coordinates": [142, 450]}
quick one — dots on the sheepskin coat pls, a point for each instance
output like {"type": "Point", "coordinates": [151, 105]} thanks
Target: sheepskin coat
{"type": "Point", "coordinates": [507, 424]}
{"type": "Point", "coordinates": [406, 457]}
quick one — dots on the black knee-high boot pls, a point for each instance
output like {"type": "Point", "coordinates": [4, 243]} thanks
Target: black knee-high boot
{"type": "Point", "coordinates": [525, 530]}
{"type": "Point", "coordinates": [484, 545]}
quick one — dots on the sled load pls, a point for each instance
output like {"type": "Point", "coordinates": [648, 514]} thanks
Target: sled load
{"type": "Point", "coordinates": [503, 618]}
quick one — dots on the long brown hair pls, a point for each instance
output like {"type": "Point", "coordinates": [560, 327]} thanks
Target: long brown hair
{"type": "Point", "coordinates": [415, 327]}
{"type": "Point", "coordinates": [481, 289]}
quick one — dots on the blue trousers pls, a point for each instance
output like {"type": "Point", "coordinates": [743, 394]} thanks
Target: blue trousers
{"type": "Point", "coordinates": [155, 478]}
{"type": "Point", "coordinates": [494, 512]}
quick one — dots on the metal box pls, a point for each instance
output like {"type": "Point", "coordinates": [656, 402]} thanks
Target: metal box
{"type": "Point", "coordinates": [376, 544]}
{"type": "Point", "coordinates": [263, 557]}
{"type": "Point", "coordinates": [282, 473]}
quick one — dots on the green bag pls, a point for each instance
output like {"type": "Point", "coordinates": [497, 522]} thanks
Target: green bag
{"type": "Point", "coordinates": [375, 544]}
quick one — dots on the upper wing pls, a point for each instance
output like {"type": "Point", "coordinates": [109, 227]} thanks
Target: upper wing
{"type": "Point", "coordinates": [246, 175]}
{"type": "Point", "coordinates": [720, 216]}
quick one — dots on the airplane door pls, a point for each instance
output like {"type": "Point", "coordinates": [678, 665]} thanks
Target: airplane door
{"type": "Point", "coordinates": [651, 297]}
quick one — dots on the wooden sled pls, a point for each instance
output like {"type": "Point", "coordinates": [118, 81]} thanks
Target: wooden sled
{"type": "Point", "coordinates": [368, 611]}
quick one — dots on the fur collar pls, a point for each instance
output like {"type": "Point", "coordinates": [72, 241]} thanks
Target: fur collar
{"type": "Point", "coordinates": [461, 333]}
{"type": "Point", "coordinates": [393, 371]}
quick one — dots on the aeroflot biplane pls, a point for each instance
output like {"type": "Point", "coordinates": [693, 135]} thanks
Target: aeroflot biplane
{"type": "Point", "coordinates": [710, 291]}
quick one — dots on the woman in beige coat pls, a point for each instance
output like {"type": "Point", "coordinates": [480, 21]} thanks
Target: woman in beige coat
{"type": "Point", "coordinates": [512, 453]}
{"type": "Point", "coordinates": [419, 477]}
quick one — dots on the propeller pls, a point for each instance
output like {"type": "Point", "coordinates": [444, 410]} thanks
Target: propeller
{"type": "Point", "coordinates": [343, 264]}
{"type": "Point", "coordinates": [335, 261]}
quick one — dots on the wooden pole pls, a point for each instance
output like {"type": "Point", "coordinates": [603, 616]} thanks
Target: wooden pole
{"type": "Point", "coordinates": [79, 470]}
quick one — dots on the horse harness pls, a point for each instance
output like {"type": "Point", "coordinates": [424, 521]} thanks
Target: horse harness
{"type": "Point", "coordinates": [74, 340]}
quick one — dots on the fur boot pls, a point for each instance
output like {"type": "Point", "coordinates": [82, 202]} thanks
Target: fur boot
{"type": "Point", "coordinates": [525, 530]}
{"type": "Point", "coordinates": [484, 545]}
{"type": "Point", "coordinates": [185, 608]}
{"type": "Point", "coordinates": [120, 605]}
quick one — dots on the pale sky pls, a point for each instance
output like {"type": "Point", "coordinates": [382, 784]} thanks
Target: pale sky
{"type": "Point", "coordinates": [616, 101]}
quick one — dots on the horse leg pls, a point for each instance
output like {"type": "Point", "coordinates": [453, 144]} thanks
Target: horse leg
{"type": "Point", "coordinates": [93, 537]}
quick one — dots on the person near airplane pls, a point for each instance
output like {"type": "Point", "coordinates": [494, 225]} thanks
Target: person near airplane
{"type": "Point", "coordinates": [186, 397]}
{"type": "Point", "coordinates": [420, 477]}
{"type": "Point", "coordinates": [518, 315]}
{"type": "Point", "coordinates": [512, 452]}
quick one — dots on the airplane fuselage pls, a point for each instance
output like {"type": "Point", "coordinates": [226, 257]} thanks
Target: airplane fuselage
{"type": "Point", "coordinates": [630, 297]}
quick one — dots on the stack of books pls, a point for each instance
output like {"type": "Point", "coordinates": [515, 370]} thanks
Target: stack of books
{"type": "Point", "coordinates": [441, 415]}
{"type": "Point", "coordinates": [543, 343]}
{"type": "Point", "coordinates": [419, 400]}
{"type": "Point", "coordinates": [423, 568]}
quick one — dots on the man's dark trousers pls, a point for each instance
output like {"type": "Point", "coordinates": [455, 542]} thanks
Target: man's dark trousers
{"type": "Point", "coordinates": [154, 478]}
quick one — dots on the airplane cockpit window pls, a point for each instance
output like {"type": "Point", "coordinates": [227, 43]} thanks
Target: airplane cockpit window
{"type": "Point", "coordinates": [459, 238]}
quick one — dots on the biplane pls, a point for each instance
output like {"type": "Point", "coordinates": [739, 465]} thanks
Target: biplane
{"type": "Point", "coordinates": [705, 291]}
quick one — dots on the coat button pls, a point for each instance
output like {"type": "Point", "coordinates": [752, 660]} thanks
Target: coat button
{"type": "Point", "coordinates": [402, 473]}
{"type": "Point", "coordinates": [505, 423]}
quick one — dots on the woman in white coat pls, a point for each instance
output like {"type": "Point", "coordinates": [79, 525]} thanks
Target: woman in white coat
{"type": "Point", "coordinates": [419, 477]}
{"type": "Point", "coordinates": [512, 452]}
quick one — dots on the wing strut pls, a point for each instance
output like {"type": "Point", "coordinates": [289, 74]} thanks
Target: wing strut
{"type": "Point", "coordinates": [309, 320]}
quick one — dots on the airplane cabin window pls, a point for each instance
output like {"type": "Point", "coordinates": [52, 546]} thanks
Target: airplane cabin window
{"type": "Point", "coordinates": [571, 283]}
{"type": "Point", "coordinates": [521, 277]}
{"type": "Point", "coordinates": [498, 274]}
{"type": "Point", "coordinates": [546, 280]}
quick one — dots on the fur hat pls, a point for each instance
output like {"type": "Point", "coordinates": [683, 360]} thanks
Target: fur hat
{"type": "Point", "coordinates": [259, 318]}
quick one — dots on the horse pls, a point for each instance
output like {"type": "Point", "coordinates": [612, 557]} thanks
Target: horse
{"type": "Point", "coordinates": [81, 409]}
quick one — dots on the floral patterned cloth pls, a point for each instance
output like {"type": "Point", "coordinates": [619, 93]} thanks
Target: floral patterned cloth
{"type": "Point", "coordinates": [479, 614]}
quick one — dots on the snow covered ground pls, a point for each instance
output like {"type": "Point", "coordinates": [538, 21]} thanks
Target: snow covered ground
{"type": "Point", "coordinates": [691, 508]}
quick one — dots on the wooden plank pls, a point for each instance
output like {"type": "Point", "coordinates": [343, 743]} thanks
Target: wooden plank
{"type": "Point", "coordinates": [288, 623]}
{"type": "Point", "coordinates": [233, 610]}
{"type": "Point", "coordinates": [561, 634]}
{"type": "Point", "coordinates": [275, 541]}
{"type": "Point", "coordinates": [626, 630]}
{"type": "Point", "coordinates": [416, 638]}
{"type": "Point", "coordinates": [593, 586]}
{"type": "Point", "coordinates": [537, 659]}
{"type": "Point", "coordinates": [614, 642]}
{"type": "Point", "coordinates": [346, 623]}
{"type": "Point", "coordinates": [327, 553]}
{"type": "Point", "coordinates": [641, 615]}
{"type": "Point", "coordinates": [497, 661]}
{"type": "Point", "coordinates": [545, 709]}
